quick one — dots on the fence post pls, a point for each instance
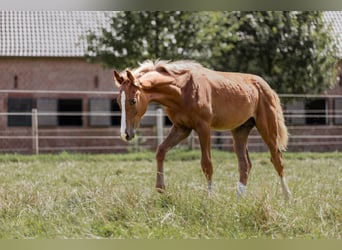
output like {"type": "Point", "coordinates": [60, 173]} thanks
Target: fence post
{"type": "Point", "coordinates": [191, 141]}
{"type": "Point", "coordinates": [160, 126]}
{"type": "Point", "coordinates": [35, 139]}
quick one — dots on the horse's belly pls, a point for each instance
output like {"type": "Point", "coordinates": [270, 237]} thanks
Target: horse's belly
{"type": "Point", "coordinates": [233, 108]}
{"type": "Point", "coordinates": [228, 124]}
{"type": "Point", "coordinates": [227, 118]}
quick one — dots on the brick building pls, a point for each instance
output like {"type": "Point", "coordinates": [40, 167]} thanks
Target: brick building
{"type": "Point", "coordinates": [44, 51]}
{"type": "Point", "coordinates": [42, 66]}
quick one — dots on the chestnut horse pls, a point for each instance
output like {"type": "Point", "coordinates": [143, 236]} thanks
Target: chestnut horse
{"type": "Point", "coordinates": [200, 99]}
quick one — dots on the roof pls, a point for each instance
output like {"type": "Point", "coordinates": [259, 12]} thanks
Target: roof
{"type": "Point", "coordinates": [335, 19]}
{"type": "Point", "coordinates": [59, 33]}
{"type": "Point", "coordinates": [48, 33]}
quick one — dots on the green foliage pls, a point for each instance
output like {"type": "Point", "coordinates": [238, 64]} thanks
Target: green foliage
{"type": "Point", "coordinates": [294, 51]}
{"type": "Point", "coordinates": [113, 196]}
{"type": "Point", "coordinates": [140, 35]}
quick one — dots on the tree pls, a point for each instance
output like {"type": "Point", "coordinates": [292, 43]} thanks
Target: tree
{"type": "Point", "coordinates": [137, 36]}
{"type": "Point", "coordinates": [294, 51]}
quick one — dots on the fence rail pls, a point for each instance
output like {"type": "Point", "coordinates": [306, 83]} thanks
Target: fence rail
{"type": "Point", "coordinates": [36, 138]}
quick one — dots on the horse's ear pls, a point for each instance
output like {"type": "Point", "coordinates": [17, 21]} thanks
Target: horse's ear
{"type": "Point", "coordinates": [132, 78]}
{"type": "Point", "coordinates": [118, 79]}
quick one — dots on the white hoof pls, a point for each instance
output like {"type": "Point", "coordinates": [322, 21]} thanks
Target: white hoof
{"type": "Point", "coordinates": [241, 190]}
{"type": "Point", "coordinates": [210, 189]}
{"type": "Point", "coordinates": [286, 190]}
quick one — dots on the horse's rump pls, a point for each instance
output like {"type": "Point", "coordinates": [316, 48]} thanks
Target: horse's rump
{"type": "Point", "coordinates": [270, 102]}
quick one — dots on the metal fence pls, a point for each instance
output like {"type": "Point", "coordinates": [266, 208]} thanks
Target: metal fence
{"type": "Point", "coordinates": [312, 128]}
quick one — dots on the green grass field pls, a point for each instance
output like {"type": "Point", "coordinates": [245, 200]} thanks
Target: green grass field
{"type": "Point", "coordinates": [113, 196]}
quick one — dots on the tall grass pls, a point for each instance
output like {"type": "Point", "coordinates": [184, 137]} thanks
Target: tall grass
{"type": "Point", "coordinates": [113, 196]}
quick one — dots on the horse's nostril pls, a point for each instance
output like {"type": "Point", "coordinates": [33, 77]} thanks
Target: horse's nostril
{"type": "Point", "coordinates": [129, 137]}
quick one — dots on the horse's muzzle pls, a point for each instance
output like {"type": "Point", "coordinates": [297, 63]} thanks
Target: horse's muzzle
{"type": "Point", "coordinates": [128, 135]}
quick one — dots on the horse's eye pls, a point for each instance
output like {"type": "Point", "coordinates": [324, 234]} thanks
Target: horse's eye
{"type": "Point", "coordinates": [133, 101]}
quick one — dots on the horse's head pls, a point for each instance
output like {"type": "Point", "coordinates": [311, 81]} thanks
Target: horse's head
{"type": "Point", "coordinates": [132, 102]}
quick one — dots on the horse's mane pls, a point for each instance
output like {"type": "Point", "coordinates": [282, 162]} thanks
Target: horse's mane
{"type": "Point", "coordinates": [172, 68]}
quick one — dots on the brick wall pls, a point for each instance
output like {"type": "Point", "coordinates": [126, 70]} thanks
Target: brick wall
{"type": "Point", "coordinates": [63, 74]}
{"type": "Point", "coordinates": [54, 74]}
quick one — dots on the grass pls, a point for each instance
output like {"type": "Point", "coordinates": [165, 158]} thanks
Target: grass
{"type": "Point", "coordinates": [113, 196]}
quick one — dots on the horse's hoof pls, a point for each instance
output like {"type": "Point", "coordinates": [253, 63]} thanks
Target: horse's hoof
{"type": "Point", "coordinates": [241, 189]}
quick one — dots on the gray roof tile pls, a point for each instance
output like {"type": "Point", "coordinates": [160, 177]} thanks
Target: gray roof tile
{"type": "Point", "coordinates": [48, 33]}
{"type": "Point", "coordinates": [58, 33]}
{"type": "Point", "coordinates": [335, 19]}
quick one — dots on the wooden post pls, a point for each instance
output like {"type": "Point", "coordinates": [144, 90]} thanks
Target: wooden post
{"type": "Point", "coordinates": [35, 139]}
{"type": "Point", "coordinates": [191, 141]}
{"type": "Point", "coordinates": [160, 125]}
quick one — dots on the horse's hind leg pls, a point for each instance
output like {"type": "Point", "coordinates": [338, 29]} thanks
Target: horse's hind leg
{"type": "Point", "coordinates": [277, 161]}
{"type": "Point", "coordinates": [267, 127]}
{"type": "Point", "coordinates": [240, 136]}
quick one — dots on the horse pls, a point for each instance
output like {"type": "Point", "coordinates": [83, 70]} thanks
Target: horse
{"type": "Point", "coordinates": [200, 99]}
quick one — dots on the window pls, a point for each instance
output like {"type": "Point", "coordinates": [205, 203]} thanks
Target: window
{"type": "Point", "coordinates": [168, 122]}
{"type": "Point", "coordinates": [315, 112]}
{"type": "Point", "coordinates": [70, 106]}
{"type": "Point", "coordinates": [19, 105]}
{"type": "Point", "coordinates": [338, 111]}
{"type": "Point", "coordinates": [116, 119]}
{"type": "Point", "coordinates": [104, 106]}
{"type": "Point", "coordinates": [47, 105]}
{"type": "Point", "coordinates": [295, 113]}
{"type": "Point", "coordinates": [99, 106]}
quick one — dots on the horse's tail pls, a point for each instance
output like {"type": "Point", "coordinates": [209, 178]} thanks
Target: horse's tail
{"type": "Point", "coordinates": [283, 136]}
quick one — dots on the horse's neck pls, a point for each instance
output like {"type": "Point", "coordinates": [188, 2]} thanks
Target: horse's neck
{"type": "Point", "coordinates": [167, 95]}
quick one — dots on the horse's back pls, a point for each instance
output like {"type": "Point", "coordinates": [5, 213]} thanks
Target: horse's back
{"type": "Point", "coordinates": [236, 97]}
{"type": "Point", "coordinates": [248, 85]}
{"type": "Point", "coordinates": [231, 98]}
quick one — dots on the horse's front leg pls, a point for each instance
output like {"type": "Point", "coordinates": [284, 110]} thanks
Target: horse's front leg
{"type": "Point", "coordinates": [176, 135]}
{"type": "Point", "coordinates": [207, 166]}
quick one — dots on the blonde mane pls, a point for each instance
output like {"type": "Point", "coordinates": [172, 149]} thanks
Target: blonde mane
{"type": "Point", "coordinates": [176, 67]}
